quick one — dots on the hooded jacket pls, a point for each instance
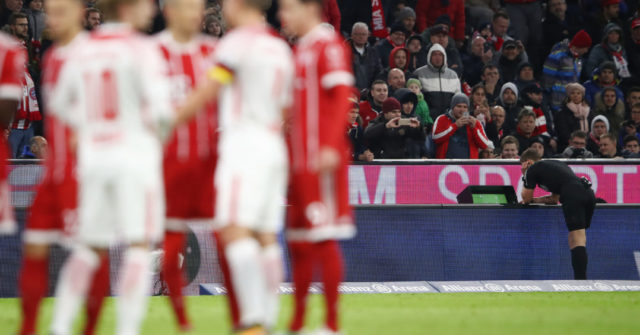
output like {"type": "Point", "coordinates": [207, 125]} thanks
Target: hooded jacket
{"type": "Point", "coordinates": [438, 84]}
{"type": "Point", "coordinates": [392, 62]}
{"type": "Point", "coordinates": [415, 145]}
{"type": "Point", "coordinates": [512, 110]}
{"type": "Point", "coordinates": [606, 52]}
{"type": "Point", "coordinates": [615, 115]}
{"type": "Point", "coordinates": [593, 142]}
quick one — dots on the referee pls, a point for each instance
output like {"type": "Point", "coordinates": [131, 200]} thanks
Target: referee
{"type": "Point", "coordinates": [575, 195]}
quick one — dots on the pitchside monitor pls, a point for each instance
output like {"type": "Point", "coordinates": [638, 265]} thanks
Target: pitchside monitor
{"type": "Point", "coordinates": [477, 194]}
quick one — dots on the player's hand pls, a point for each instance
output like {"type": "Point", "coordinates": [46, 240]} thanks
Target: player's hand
{"type": "Point", "coordinates": [328, 160]}
{"type": "Point", "coordinates": [393, 123]}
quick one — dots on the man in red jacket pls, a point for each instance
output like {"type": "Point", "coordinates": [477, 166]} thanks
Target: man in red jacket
{"type": "Point", "coordinates": [457, 134]}
{"type": "Point", "coordinates": [428, 11]}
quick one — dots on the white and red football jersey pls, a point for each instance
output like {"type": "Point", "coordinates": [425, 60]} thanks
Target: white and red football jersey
{"type": "Point", "coordinates": [256, 67]}
{"type": "Point", "coordinates": [319, 203]}
{"type": "Point", "coordinates": [12, 61]}
{"type": "Point", "coordinates": [187, 65]}
{"type": "Point", "coordinates": [191, 150]}
{"type": "Point", "coordinates": [115, 95]}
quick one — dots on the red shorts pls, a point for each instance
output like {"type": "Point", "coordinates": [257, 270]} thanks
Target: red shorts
{"type": "Point", "coordinates": [319, 207]}
{"type": "Point", "coordinates": [54, 211]}
{"type": "Point", "coordinates": [189, 192]}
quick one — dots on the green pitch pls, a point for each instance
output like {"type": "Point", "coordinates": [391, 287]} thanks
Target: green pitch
{"type": "Point", "coordinates": [457, 313]}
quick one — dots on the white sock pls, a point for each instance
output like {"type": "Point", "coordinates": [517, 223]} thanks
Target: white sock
{"type": "Point", "coordinates": [248, 280]}
{"type": "Point", "coordinates": [135, 283]}
{"type": "Point", "coordinates": [274, 275]}
{"type": "Point", "coordinates": [71, 290]}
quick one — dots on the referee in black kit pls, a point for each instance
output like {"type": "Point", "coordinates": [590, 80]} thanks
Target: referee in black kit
{"type": "Point", "coordinates": [575, 195]}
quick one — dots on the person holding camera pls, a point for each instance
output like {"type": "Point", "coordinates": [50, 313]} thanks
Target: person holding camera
{"type": "Point", "coordinates": [575, 194]}
{"type": "Point", "coordinates": [458, 134]}
{"type": "Point", "coordinates": [577, 146]}
{"type": "Point", "coordinates": [474, 61]}
{"type": "Point", "coordinates": [388, 135]}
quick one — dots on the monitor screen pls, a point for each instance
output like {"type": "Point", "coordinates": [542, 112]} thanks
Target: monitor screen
{"type": "Point", "coordinates": [489, 198]}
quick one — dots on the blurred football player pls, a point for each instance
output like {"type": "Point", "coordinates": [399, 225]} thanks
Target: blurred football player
{"type": "Point", "coordinates": [319, 212]}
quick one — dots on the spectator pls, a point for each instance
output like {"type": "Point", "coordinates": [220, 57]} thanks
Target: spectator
{"type": "Point", "coordinates": [525, 76]}
{"type": "Point", "coordinates": [438, 81]}
{"type": "Point", "coordinates": [510, 148]}
{"type": "Point", "coordinates": [415, 147]}
{"type": "Point", "coordinates": [563, 66]}
{"type": "Point", "coordinates": [372, 107]}
{"type": "Point", "coordinates": [28, 112]}
{"type": "Point", "coordinates": [387, 138]}
{"type": "Point", "coordinates": [599, 127]}
{"type": "Point", "coordinates": [577, 146]}
{"type": "Point", "coordinates": [632, 125]}
{"type": "Point", "coordinates": [498, 116]}
{"type": "Point", "coordinates": [509, 100]}
{"type": "Point", "coordinates": [525, 129]}
{"type": "Point", "coordinates": [492, 83]}
{"type": "Point", "coordinates": [422, 109]}
{"type": "Point", "coordinates": [478, 95]}
{"type": "Point", "coordinates": [556, 26]}
{"type": "Point", "coordinates": [611, 49]}
{"type": "Point", "coordinates": [482, 113]}
{"type": "Point", "coordinates": [331, 13]}
{"type": "Point", "coordinates": [532, 98]}
{"type": "Point", "coordinates": [605, 76]}
{"type": "Point", "coordinates": [395, 39]}
{"type": "Point", "coordinates": [500, 25]}
{"type": "Point", "coordinates": [398, 59]}
{"type": "Point", "coordinates": [417, 53]}
{"type": "Point", "coordinates": [19, 24]}
{"type": "Point", "coordinates": [37, 148]}
{"type": "Point", "coordinates": [92, 18]}
{"type": "Point", "coordinates": [438, 35]}
{"type": "Point", "coordinates": [608, 147]}
{"type": "Point", "coordinates": [608, 104]}
{"type": "Point", "coordinates": [480, 11]}
{"type": "Point", "coordinates": [407, 16]}
{"type": "Point", "coordinates": [609, 13]}
{"type": "Point", "coordinates": [457, 134]}
{"type": "Point", "coordinates": [7, 8]}
{"type": "Point", "coordinates": [573, 116]}
{"type": "Point", "coordinates": [510, 59]}
{"type": "Point", "coordinates": [396, 80]}
{"type": "Point", "coordinates": [631, 145]}
{"type": "Point", "coordinates": [632, 98]}
{"type": "Point", "coordinates": [356, 135]}
{"type": "Point", "coordinates": [37, 19]}
{"type": "Point", "coordinates": [633, 46]}
{"type": "Point", "coordinates": [538, 144]}
{"type": "Point", "coordinates": [212, 26]}
{"type": "Point", "coordinates": [474, 62]}
{"type": "Point", "coordinates": [429, 10]}
{"type": "Point", "coordinates": [526, 21]}
{"type": "Point", "coordinates": [366, 63]}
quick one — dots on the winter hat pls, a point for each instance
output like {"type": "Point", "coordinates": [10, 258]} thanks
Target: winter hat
{"type": "Point", "coordinates": [404, 13]}
{"type": "Point", "coordinates": [609, 28]}
{"type": "Point", "coordinates": [532, 88]}
{"type": "Point", "coordinates": [510, 86]}
{"type": "Point", "coordinates": [635, 23]}
{"type": "Point", "coordinates": [608, 65]}
{"type": "Point", "coordinates": [391, 104]}
{"type": "Point", "coordinates": [600, 118]}
{"type": "Point", "coordinates": [398, 26]}
{"type": "Point", "coordinates": [609, 2]}
{"type": "Point", "coordinates": [459, 99]}
{"type": "Point", "coordinates": [414, 81]}
{"type": "Point", "coordinates": [573, 87]}
{"type": "Point", "coordinates": [443, 19]}
{"type": "Point", "coordinates": [581, 40]}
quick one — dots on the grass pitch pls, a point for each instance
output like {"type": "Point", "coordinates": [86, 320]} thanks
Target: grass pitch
{"type": "Point", "coordinates": [452, 313]}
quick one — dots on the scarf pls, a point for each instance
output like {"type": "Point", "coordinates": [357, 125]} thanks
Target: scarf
{"type": "Point", "coordinates": [580, 112]}
{"type": "Point", "coordinates": [377, 20]}
{"type": "Point", "coordinates": [621, 64]}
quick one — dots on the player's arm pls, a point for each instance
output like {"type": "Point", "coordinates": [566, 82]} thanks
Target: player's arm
{"type": "Point", "coordinates": [204, 93]}
{"type": "Point", "coordinates": [527, 196]}
{"type": "Point", "coordinates": [551, 199]}
{"type": "Point", "coordinates": [11, 76]}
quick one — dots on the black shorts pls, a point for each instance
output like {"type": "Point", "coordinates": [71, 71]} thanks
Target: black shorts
{"type": "Point", "coordinates": [578, 204]}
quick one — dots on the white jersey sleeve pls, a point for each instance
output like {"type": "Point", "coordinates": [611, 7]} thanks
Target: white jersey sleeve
{"type": "Point", "coordinates": [154, 85]}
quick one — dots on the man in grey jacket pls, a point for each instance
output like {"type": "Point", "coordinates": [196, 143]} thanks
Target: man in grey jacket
{"type": "Point", "coordinates": [439, 83]}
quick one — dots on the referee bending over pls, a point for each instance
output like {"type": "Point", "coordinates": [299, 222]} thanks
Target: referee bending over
{"type": "Point", "coordinates": [575, 195]}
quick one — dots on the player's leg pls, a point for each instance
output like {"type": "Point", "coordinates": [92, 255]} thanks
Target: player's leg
{"type": "Point", "coordinates": [174, 242]}
{"type": "Point", "coordinates": [234, 311]}
{"type": "Point", "coordinates": [272, 263]}
{"type": "Point", "coordinates": [73, 284]}
{"type": "Point", "coordinates": [302, 265]}
{"type": "Point", "coordinates": [97, 292]}
{"type": "Point", "coordinates": [330, 258]}
{"type": "Point", "coordinates": [135, 283]}
{"type": "Point", "coordinates": [578, 246]}
{"type": "Point", "coordinates": [33, 281]}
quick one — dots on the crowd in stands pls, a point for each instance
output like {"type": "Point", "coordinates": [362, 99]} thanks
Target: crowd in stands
{"type": "Point", "coordinates": [449, 78]}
